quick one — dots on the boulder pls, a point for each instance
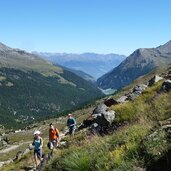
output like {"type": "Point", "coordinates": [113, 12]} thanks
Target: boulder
{"type": "Point", "coordinates": [139, 88]}
{"type": "Point", "coordinates": [104, 118]}
{"type": "Point", "coordinates": [167, 75]}
{"type": "Point", "coordinates": [132, 96]}
{"type": "Point", "coordinates": [100, 120]}
{"type": "Point", "coordinates": [122, 99]}
{"type": "Point", "coordinates": [100, 109]}
{"type": "Point", "coordinates": [166, 86]}
{"type": "Point", "coordinates": [136, 91]}
{"type": "Point", "coordinates": [109, 115]}
{"type": "Point", "coordinates": [154, 80]}
{"type": "Point", "coordinates": [110, 101]}
{"type": "Point", "coordinates": [86, 123]}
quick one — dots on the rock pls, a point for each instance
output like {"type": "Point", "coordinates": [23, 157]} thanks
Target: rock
{"type": "Point", "coordinates": [100, 109]}
{"type": "Point", "coordinates": [8, 161]}
{"type": "Point", "coordinates": [167, 75]}
{"type": "Point", "coordinates": [110, 101]}
{"type": "Point", "coordinates": [4, 143]}
{"type": "Point", "coordinates": [154, 80]}
{"type": "Point", "coordinates": [19, 155]}
{"type": "Point", "coordinates": [122, 99]}
{"type": "Point", "coordinates": [104, 118]}
{"type": "Point", "coordinates": [165, 122]}
{"type": "Point", "coordinates": [132, 96]}
{"type": "Point", "coordinates": [109, 116]}
{"type": "Point", "coordinates": [136, 91]}
{"type": "Point", "coordinates": [30, 168]}
{"type": "Point", "coordinates": [100, 120]}
{"type": "Point", "coordinates": [86, 123]}
{"type": "Point", "coordinates": [26, 151]}
{"type": "Point", "coordinates": [138, 169]}
{"type": "Point", "coordinates": [16, 131]}
{"type": "Point", "coordinates": [1, 164]}
{"type": "Point", "coordinates": [166, 86]}
{"type": "Point", "coordinates": [139, 88]}
{"type": "Point", "coordinates": [166, 125]}
{"type": "Point", "coordinates": [103, 115]}
{"type": "Point", "coordinates": [63, 144]}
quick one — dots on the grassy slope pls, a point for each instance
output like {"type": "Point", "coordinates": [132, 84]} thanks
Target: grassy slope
{"type": "Point", "coordinates": [128, 147]}
{"type": "Point", "coordinates": [33, 87]}
{"type": "Point", "coordinates": [34, 95]}
{"type": "Point", "coordinates": [125, 149]}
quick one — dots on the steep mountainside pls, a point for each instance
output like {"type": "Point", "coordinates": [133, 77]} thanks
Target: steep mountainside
{"type": "Point", "coordinates": [137, 64]}
{"type": "Point", "coordinates": [32, 88]}
{"type": "Point", "coordinates": [91, 63]}
{"type": "Point", "coordinates": [81, 74]}
{"type": "Point", "coordinates": [130, 135]}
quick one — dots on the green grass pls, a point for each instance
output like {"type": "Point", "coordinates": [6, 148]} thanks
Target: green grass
{"type": "Point", "coordinates": [130, 146]}
{"type": "Point", "coordinates": [12, 154]}
{"type": "Point", "coordinates": [102, 154]}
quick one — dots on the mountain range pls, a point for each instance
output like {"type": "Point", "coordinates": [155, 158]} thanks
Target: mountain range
{"type": "Point", "coordinates": [139, 63]}
{"type": "Point", "coordinates": [92, 64]}
{"type": "Point", "coordinates": [32, 88]}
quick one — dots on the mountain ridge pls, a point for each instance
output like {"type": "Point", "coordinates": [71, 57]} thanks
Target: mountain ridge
{"type": "Point", "coordinates": [139, 63]}
{"type": "Point", "coordinates": [32, 88]}
{"type": "Point", "coordinates": [91, 63]}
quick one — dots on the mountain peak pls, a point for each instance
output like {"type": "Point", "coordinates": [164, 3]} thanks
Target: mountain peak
{"type": "Point", "coordinates": [4, 47]}
{"type": "Point", "coordinates": [166, 48]}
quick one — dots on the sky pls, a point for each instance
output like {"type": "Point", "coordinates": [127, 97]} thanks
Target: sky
{"type": "Point", "coordinates": [78, 26]}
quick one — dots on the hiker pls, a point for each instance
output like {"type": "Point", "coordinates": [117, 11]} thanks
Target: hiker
{"type": "Point", "coordinates": [38, 144]}
{"type": "Point", "coordinates": [71, 123]}
{"type": "Point", "coordinates": [53, 136]}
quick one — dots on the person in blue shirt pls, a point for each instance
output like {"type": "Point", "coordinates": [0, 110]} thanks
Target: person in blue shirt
{"type": "Point", "coordinates": [38, 144]}
{"type": "Point", "coordinates": [71, 123]}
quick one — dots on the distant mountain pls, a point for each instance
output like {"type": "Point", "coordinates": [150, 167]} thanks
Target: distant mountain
{"type": "Point", "coordinates": [91, 63]}
{"type": "Point", "coordinates": [81, 74]}
{"type": "Point", "coordinates": [32, 88]}
{"type": "Point", "coordinates": [139, 63]}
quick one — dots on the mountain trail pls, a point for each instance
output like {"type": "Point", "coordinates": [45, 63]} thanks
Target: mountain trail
{"type": "Point", "coordinates": [13, 147]}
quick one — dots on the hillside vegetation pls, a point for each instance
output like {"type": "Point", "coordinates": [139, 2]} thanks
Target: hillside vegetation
{"type": "Point", "coordinates": [32, 88]}
{"type": "Point", "coordinates": [139, 63]}
{"type": "Point", "coordinates": [138, 144]}
{"type": "Point", "coordinates": [139, 141]}
{"type": "Point", "coordinates": [28, 96]}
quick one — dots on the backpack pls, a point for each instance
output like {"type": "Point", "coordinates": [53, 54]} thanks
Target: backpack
{"type": "Point", "coordinates": [57, 132]}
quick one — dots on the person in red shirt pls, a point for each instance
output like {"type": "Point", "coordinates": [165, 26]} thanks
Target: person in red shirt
{"type": "Point", "coordinates": [53, 135]}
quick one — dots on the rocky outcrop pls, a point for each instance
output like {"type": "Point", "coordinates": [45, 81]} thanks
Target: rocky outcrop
{"type": "Point", "coordinates": [110, 101]}
{"type": "Point", "coordinates": [102, 115]}
{"type": "Point", "coordinates": [166, 86]}
{"type": "Point", "coordinates": [139, 88]}
{"type": "Point", "coordinates": [122, 99]}
{"type": "Point", "coordinates": [100, 120]}
{"type": "Point", "coordinates": [154, 80]}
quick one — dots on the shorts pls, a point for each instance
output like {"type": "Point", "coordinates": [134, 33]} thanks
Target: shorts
{"type": "Point", "coordinates": [72, 130]}
{"type": "Point", "coordinates": [54, 143]}
{"type": "Point", "coordinates": [38, 152]}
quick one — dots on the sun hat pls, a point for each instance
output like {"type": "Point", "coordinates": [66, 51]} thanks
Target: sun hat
{"type": "Point", "coordinates": [36, 132]}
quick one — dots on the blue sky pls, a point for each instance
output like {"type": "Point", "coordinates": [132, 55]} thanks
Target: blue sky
{"type": "Point", "coordinates": [77, 26]}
